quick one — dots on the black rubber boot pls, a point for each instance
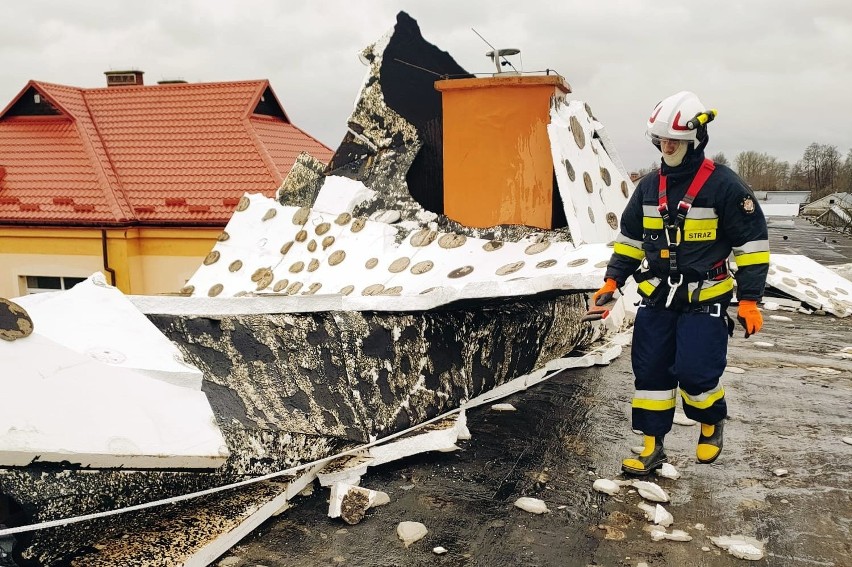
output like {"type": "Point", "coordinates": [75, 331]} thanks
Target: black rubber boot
{"type": "Point", "coordinates": [651, 458]}
{"type": "Point", "coordinates": [710, 442]}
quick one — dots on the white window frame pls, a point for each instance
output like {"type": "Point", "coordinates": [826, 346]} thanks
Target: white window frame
{"type": "Point", "coordinates": [63, 283]}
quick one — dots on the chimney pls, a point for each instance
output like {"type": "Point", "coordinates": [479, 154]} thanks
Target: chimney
{"type": "Point", "coordinates": [124, 78]}
{"type": "Point", "coordinates": [498, 167]}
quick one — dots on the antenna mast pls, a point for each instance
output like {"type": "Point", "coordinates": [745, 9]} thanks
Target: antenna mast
{"type": "Point", "coordinates": [498, 56]}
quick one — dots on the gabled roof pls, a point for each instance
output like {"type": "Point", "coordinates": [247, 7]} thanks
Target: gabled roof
{"type": "Point", "coordinates": [840, 198]}
{"type": "Point", "coordinates": [171, 154]}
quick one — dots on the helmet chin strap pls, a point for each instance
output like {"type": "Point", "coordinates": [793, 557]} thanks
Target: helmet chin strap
{"type": "Point", "coordinates": [676, 158]}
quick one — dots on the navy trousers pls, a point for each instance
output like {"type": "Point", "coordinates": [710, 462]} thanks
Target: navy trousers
{"type": "Point", "coordinates": [675, 350]}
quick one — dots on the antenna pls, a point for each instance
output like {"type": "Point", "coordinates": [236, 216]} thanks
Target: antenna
{"type": "Point", "coordinates": [498, 56]}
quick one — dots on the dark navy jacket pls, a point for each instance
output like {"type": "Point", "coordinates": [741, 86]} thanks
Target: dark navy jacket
{"type": "Point", "coordinates": [725, 217]}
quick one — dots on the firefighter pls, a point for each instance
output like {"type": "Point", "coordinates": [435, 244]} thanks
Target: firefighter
{"type": "Point", "coordinates": [677, 232]}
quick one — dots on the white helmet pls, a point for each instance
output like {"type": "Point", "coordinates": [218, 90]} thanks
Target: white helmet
{"type": "Point", "coordinates": [674, 118]}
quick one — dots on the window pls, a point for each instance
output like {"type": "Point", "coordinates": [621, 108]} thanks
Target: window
{"type": "Point", "coordinates": [42, 284]}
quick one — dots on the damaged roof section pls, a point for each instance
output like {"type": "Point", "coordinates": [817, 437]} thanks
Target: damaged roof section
{"type": "Point", "coordinates": [371, 227]}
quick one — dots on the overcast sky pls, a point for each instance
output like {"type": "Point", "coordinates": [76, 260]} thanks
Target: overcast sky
{"type": "Point", "coordinates": [780, 73]}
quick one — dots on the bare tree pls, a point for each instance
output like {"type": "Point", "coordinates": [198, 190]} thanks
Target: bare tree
{"type": "Point", "coordinates": [819, 169]}
{"type": "Point", "coordinates": [762, 171]}
{"type": "Point", "coordinates": [721, 159]}
{"type": "Point", "coordinates": [844, 181]}
{"type": "Point", "coordinates": [652, 168]}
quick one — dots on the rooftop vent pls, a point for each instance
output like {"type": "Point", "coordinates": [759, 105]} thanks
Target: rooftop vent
{"type": "Point", "coordinates": [124, 78]}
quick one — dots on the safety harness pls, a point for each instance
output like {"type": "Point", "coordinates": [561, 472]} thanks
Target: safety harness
{"type": "Point", "coordinates": [673, 227]}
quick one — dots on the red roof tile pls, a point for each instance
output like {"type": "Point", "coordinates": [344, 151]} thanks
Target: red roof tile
{"type": "Point", "coordinates": [165, 154]}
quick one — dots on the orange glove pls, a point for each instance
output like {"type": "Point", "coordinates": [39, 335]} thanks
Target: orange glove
{"type": "Point", "coordinates": [604, 294]}
{"type": "Point", "coordinates": [749, 316]}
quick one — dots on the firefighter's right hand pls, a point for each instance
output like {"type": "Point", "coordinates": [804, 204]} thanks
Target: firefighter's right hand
{"type": "Point", "coordinates": [605, 293]}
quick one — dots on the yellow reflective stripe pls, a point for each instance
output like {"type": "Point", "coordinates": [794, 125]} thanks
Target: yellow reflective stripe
{"type": "Point", "coordinates": [703, 401]}
{"type": "Point", "coordinates": [652, 223]}
{"type": "Point", "coordinates": [752, 259]}
{"type": "Point", "coordinates": [654, 405]}
{"type": "Point", "coordinates": [700, 224]}
{"type": "Point", "coordinates": [716, 290]}
{"type": "Point", "coordinates": [647, 288]}
{"type": "Point", "coordinates": [629, 251]}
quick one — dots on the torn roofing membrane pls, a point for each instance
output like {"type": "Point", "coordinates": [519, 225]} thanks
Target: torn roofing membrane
{"type": "Point", "coordinates": [368, 238]}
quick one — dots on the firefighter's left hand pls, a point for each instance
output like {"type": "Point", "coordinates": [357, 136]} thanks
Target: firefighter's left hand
{"type": "Point", "coordinates": [749, 316]}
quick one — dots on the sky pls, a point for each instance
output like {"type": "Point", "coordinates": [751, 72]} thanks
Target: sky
{"type": "Point", "coordinates": [780, 74]}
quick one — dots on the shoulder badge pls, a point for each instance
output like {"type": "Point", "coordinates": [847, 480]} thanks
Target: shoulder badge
{"type": "Point", "coordinates": [748, 205]}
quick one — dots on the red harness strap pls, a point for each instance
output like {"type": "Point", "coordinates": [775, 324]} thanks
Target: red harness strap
{"type": "Point", "coordinates": [673, 229]}
{"type": "Point", "coordinates": [683, 207]}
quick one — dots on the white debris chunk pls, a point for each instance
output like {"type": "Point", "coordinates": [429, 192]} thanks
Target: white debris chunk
{"type": "Point", "coordinates": [823, 370]}
{"type": "Point", "coordinates": [779, 318]}
{"type": "Point", "coordinates": [503, 407]}
{"type": "Point", "coordinates": [740, 546]}
{"type": "Point", "coordinates": [656, 514]}
{"type": "Point", "coordinates": [668, 471]}
{"type": "Point", "coordinates": [681, 419]}
{"type": "Point", "coordinates": [770, 306]}
{"type": "Point", "coordinates": [439, 550]}
{"type": "Point", "coordinates": [659, 533]}
{"type": "Point", "coordinates": [648, 509]}
{"type": "Point", "coordinates": [763, 344]}
{"type": "Point", "coordinates": [606, 486]}
{"type": "Point", "coordinates": [780, 472]}
{"type": "Point", "coordinates": [699, 527]}
{"type": "Point", "coordinates": [352, 502]}
{"type": "Point", "coordinates": [409, 532]}
{"type": "Point", "coordinates": [847, 440]}
{"type": "Point", "coordinates": [651, 491]}
{"type": "Point", "coordinates": [662, 516]}
{"type": "Point", "coordinates": [705, 548]}
{"type": "Point", "coordinates": [531, 505]}
{"type": "Point", "coordinates": [678, 535]}
{"type": "Point", "coordinates": [637, 449]}
{"type": "Point", "coordinates": [734, 370]}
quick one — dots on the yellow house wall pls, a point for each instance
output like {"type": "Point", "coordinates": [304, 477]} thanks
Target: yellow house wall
{"type": "Point", "coordinates": [146, 261]}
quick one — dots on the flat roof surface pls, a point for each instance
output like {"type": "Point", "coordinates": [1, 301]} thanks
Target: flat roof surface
{"type": "Point", "coordinates": [798, 235]}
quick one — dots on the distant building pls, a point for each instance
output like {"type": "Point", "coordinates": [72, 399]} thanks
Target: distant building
{"type": "Point", "coordinates": [822, 205]}
{"type": "Point", "coordinates": [136, 181]}
{"type": "Point", "coordinates": [837, 217]}
{"type": "Point", "coordinates": [782, 203]}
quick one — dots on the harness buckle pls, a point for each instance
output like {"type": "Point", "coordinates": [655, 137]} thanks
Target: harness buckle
{"type": "Point", "coordinates": [673, 285]}
{"type": "Point", "coordinates": [669, 230]}
{"type": "Point", "coordinates": [717, 310]}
